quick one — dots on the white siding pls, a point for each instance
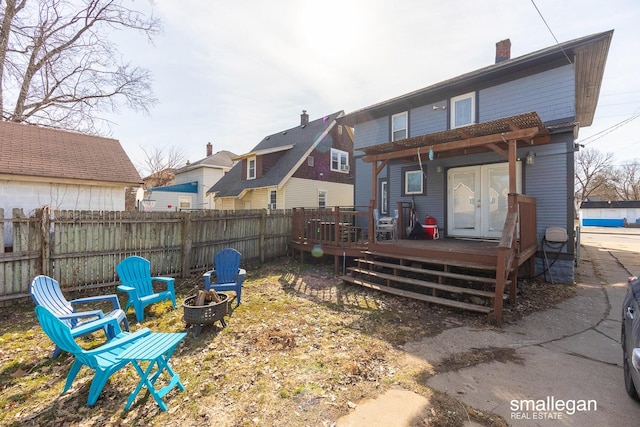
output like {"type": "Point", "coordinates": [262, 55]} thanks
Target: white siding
{"type": "Point", "coordinates": [33, 195]}
{"type": "Point", "coordinates": [304, 193]}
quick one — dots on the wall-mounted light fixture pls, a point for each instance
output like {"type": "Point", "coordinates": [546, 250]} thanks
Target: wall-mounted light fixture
{"type": "Point", "coordinates": [531, 156]}
{"type": "Point", "coordinates": [439, 169]}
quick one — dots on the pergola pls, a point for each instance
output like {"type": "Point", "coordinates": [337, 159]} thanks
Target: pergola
{"type": "Point", "coordinates": [502, 136]}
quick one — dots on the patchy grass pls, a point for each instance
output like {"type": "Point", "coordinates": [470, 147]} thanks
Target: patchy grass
{"type": "Point", "coordinates": [299, 351]}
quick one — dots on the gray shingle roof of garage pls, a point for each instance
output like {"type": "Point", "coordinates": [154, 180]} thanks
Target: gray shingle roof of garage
{"type": "Point", "coordinates": [302, 138]}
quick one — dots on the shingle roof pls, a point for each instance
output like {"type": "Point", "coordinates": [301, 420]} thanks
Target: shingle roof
{"type": "Point", "coordinates": [30, 150]}
{"type": "Point", "coordinates": [589, 55]}
{"type": "Point", "coordinates": [300, 139]}
{"type": "Point", "coordinates": [221, 159]}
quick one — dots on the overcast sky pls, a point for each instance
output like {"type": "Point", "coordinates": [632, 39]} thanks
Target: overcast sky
{"type": "Point", "coordinates": [232, 72]}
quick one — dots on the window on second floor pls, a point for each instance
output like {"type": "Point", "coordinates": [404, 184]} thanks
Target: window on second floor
{"type": "Point", "coordinates": [463, 110]}
{"type": "Point", "coordinates": [251, 168]}
{"type": "Point", "coordinates": [399, 126]}
{"type": "Point", "coordinates": [339, 161]}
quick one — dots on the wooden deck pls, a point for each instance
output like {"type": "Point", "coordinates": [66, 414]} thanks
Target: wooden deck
{"type": "Point", "coordinates": [469, 274]}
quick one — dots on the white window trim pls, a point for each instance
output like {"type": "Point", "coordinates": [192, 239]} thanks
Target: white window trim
{"type": "Point", "coordinates": [343, 166]}
{"type": "Point", "coordinates": [472, 96]}
{"type": "Point", "coordinates": [406, 182]}
{"type": "Point", "coordinates": [405, 128]}
{"type": "Point", "coordinates": [326, 194]}
{"type": "Point", "coordinates": [249, 175]}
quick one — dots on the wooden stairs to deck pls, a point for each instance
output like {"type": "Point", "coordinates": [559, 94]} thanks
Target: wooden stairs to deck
{"type": "Point", "coordinates": [460, 284]}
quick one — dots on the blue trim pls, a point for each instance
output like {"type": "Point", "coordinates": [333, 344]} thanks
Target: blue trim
{"type": "Point", "coordinates": [602, 222]}
{"type": "Point", "coordinates": [191, 187]}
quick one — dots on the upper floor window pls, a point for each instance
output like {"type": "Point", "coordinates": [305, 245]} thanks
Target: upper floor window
{"type": "Point", "coordinates": [339, 160]}
{"type": "Point", "coordinates": [251, 168]}
{"type": "Point", "coordinates": [463, 110]}
{"type": "Point", "coordinates": [399, 126]}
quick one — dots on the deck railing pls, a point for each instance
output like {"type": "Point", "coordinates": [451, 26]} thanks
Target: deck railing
{"type": "Point", "coordinates": [341, 226]}
{"type": "Point", "coordinates": [520, 222]}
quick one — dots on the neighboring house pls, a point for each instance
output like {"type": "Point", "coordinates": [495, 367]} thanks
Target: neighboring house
{"type": "Point", "coordinates": [64, 170]}
{"type": "Point", "coordinates": [306, 166]}
{"type": "Point", "coordinates": [191, 182]}
{"type": "Point", "coordinates": [609, 213]}
{"type": "Point", "coordinates": [454, 147]}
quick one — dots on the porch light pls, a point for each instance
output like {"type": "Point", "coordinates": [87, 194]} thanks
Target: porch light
{"type": "Point", "coordinates": [531, 157]}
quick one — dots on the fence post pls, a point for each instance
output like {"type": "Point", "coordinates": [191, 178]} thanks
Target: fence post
{"type": "Point", "coordinates": [45, 244]}
{"type": "Point", "coordinates": [263, 221]}
{"type": "Point", "coordinates": [187, 243]}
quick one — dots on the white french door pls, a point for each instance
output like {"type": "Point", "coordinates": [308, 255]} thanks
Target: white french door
{"type": "Point", "coordinates": [478, 199]}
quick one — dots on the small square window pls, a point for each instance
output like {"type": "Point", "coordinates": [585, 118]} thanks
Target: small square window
{"type": "Point", "coordinates": [399, 128]}
{"type": "Point", "coordinates": [310, 161]}
{"type": "Point", "coordinates": [413, 182]}
{"type": "Point", "coordinates": [463, 110]}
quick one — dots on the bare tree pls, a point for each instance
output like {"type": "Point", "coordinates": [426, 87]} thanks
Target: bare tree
{"type": "Point", "coordinates": [593, 173]}
{"type": "Point", "coordinates": [59, 68]}
{"type": "Point", "coordinates": [627, 181]}
{"type": "Point", "coordinates": [160, 165]}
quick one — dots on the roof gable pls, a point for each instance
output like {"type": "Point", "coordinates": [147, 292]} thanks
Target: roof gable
{"type": "Point", "coordinates": [30, 150]}
{"type": "Point", "coordinates": [292, 146]}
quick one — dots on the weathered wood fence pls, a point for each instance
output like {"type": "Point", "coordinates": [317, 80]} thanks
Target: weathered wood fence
{"type": "Point", "coordinates": [80, 249]}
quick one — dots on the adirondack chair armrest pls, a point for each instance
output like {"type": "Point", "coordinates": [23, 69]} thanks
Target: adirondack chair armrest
{"type": "Point", "coordinates": [125, 288]}
{"type": "Point", "coordinates": [168, 280]}
{"type": "Point", "coordinates": [119, 342]}
{"type": "Point", "coordinates": [207, 276]}
{"type": "Point", "coordinates": [87, 327]}
{"type": "Point", "coordinates": [111, 297]}
{"type": "Point", "coordinates": [82, 315]}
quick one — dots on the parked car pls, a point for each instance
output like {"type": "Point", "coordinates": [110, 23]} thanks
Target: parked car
{"type": "Point", "coordinates": [630, 338]}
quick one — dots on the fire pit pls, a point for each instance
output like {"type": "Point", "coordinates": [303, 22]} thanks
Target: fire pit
{"type": "Point", "coordinates": [200, 315]}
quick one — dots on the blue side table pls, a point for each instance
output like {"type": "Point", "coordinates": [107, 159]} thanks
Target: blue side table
{"type": "Point", "coordinates": [156, 348]}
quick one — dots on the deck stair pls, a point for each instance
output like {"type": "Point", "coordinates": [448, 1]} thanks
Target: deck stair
{"type": "Point", "coordinates": [455, 283]}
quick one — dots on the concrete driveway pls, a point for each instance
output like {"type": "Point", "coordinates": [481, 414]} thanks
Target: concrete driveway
{"type": "Point", "coordinates": [568, 365]}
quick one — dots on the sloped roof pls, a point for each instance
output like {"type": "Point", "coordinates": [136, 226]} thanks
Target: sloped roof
{"type": "Point", "coordinates": [221, 159]}
{"type": "Point", "coordinates": [613, 204]}
{"type": "Point", "coordinates": [296, 142]}
{"type": "Point", "coordinates": [188, 187]}
{"type": "Point", "coordinates": [30, 150]}
{"type": "Point", "coordinates": [588, 55]}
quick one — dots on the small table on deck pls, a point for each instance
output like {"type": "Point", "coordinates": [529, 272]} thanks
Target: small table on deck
{"type": "Point", "coordinates": [156, 348]}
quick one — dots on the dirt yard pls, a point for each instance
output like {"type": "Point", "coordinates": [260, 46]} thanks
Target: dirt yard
{"type": "Point", "coordinates": [302, 350]}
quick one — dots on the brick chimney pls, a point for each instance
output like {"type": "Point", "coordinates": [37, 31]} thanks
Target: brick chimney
{"type": "Point", "coordinates": [503, 50]}
{"type": "Point", "coordinates": [209, 149]}
{"type": "Point", "coordinates": [304, 118]}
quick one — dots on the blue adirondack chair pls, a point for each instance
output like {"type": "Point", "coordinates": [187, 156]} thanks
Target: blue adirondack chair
{"type": "Point", "coordinates": [135, 274]}
{"type": "Point", "coordinates": [104, 359]}
{"type": "Point", "coordinates": [227, 272]}
{"type": "Point", "coordinates": [46, 292]}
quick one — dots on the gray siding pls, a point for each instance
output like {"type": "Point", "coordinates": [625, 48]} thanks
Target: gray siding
{"type": "Point", "coordinates": [551, 94]}
{"type": "Point", "coordinates": [371, 133]}
{"type": "Point", "coordinates": [363, 175]}
{"type": "Point", "coordinates": [550, 172]}
{"type": "Point", "coordinates": [425, 120]}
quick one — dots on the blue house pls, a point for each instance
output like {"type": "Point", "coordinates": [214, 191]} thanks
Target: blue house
{"type": "Point", "coordinates": [469, 150]}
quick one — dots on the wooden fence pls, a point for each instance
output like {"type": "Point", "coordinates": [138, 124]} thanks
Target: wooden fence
{"type": "Point", "coordinates": [80, 249]}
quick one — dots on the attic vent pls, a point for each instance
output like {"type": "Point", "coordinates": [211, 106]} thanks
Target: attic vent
{"type": "Point", "coordinates": [339, 129]}
{"type": "Point", "coordinates": [284, 133]}
{"type": "Point", "coordinates": [303, 126]}
{"type": "Point", "coordinates": [268, 137]}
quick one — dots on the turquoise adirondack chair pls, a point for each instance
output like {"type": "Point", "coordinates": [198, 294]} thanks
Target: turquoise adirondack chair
{"type": "Point", "coordinates": [228, 274]}
{"type": "Point", "coordinates": [135, 274]}
{"type": "Point", "coordinates": [103, 360]}
{"type": "Point", "coordinates": [45, 291]}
